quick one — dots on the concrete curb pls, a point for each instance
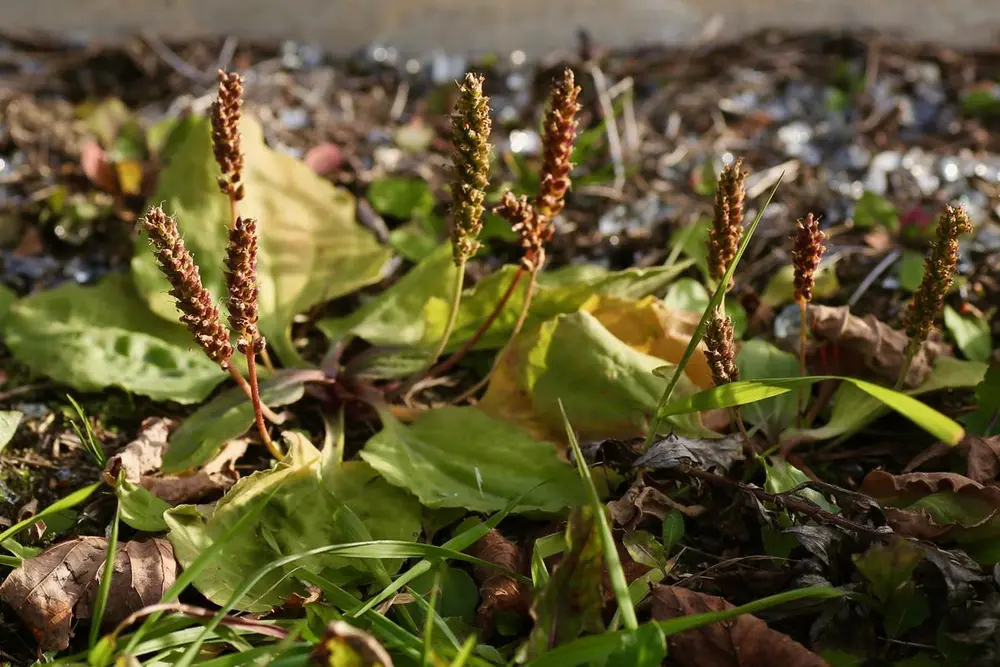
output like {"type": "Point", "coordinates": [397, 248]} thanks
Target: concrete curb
{"type": "Point", "coordinates": [418, 27]}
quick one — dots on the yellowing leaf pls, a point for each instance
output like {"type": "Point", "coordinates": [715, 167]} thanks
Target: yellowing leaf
{"type": "Point", "coordinates": [311, 248]}
{"type": "Point", "coordinates": [652, 327]}
{"type": "Point", "coordinates": [608, 389]}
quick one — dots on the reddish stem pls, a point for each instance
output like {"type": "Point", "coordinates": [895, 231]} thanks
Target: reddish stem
{"type": "Point", "coordinates": [258, 413]}
{"type": "Point", "coordinates": [456, 356]}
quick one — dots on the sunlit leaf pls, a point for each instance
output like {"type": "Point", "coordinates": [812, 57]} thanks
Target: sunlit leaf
{"type": "Point", "coordinates": [873, 210]}
{"type": "Point", "coordinates": [300, 512]}
{"type": "Point", "coordinates": [462, 457]}
{"type": "Point", "coordinates": [749, 391]}
{"type": "Point", "coordinates": [688, 294]}
{"type": "Point", "coordinates": [9, 419]}
{"type": "Point", "coordinates": [103, 335]}
{"type": "Point", "coordinates": [759, 359]}
{"type": "Point", "coordinates": [781, 285]}
{"type": "Point", "coordinates": [311, 248]}
{"type": "Point", "coordinates": [972, 334]}
{"type": "Point", "coordinates": [608, 389]}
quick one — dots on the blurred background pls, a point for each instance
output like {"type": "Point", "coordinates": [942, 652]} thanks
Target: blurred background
{"type": "Point", "coordinates": [417, 27]}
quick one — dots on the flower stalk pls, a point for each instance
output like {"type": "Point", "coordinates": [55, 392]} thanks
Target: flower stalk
{"type": "Point", "coordinates": [241, 251]}
{"type": "Point", "coordinates": [807, 253]}
{"type": "Point", "coordinates": [533, 220]}
{"type": "Point", "coordinates": [470, 135]}
{"type": "Point", "coordinates": [939, 271]}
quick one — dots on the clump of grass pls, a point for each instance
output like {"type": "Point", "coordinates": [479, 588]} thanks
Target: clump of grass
{"type": "Point", "coordinates": [939, 271]}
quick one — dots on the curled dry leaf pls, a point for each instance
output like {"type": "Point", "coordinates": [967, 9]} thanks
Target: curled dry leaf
{"type": "Point", "coordinates": [47, 591]}
{"type": "Point", "coordinates": [982, 456]}
{"type": "Point", "coordinates": [959, 505]}
{"type": "Point", "coordinates": [868, 344]}
{"type": "Point", "coordinates": [641, 500]}
{"type": "Point", "coordinates": [704, 453]}
{"type": "Point", "coordinates": [745, 641]}
{"type": "Point", "coordinates": [141, 459]}
{"type": "Point", "coordinates": [498, 592]}
{"type": "Point", "coordinates": [97, 167]}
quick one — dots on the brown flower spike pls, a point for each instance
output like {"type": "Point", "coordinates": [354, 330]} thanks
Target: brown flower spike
{"type": "Point", "coordinates": [939, 268]}
{"type": "Point", "coordinates": [558, 135]}
{"type": "Point", "coordinates": [721, 351]}
{"type": "Point", "coordinates": [807, 252]}
{"type": "Point", "coordinates": [226, 133]}
{"type": "Point", "coordinates": [532, 230]}
{"type": "Point", "coordinates": [241, 283]}
{"type": "Point", "coordinates": [470, 128]}
{"type": "Point", "coordinates": [727, 221]}
{"type": "Point", "coordinates": [198, 312]}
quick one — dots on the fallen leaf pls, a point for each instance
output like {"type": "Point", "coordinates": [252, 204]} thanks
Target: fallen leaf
{"type": "Point", "coordinates": [215, 477]}
{"type": "Point", "coordinates": [143, 455]}
{"type": "Point", "coordinates": [641, 500]}
{"type": "Point", "coordinates": [570, 603]}
{"type": "Point", "coordinates": [707, 454]}
{"type": "Point", "coordinates": [607, 388]}
{"type": "Point", "coordinates": [93, 337]}
{"type": "Point", "coordinates": [301, 506]}
{"type": "Point", "coordinates": [347, 646]}
{"type": "Point", "coordinates": [498, 592]}
{"type": "Point", "coordinates": [61, 582]}
{"type": "Point", "coordinates": [745, 641]}
{"type": "Point", "coordinates": [982, 456]}
{"type": "Point", "coordinates": [873, 344]}
{"type": "Point", "coordinates": [940, 507]}
{"type": "Point", "coordinates": [462, 457]}
{"type": "Point", "coordinates": [324, 158]}
{"type": "Point", "coordinates": [310, 249]}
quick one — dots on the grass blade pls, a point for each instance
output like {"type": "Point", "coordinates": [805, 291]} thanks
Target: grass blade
{"type": "Point", "coordinates": [615, 572]}
{"type": "Point", "coordinates": [743, 392]}
{"type": "Point", "coordinates": [713, 304]}
{"type": "Point", "coordinates": [596, 648]}
{"type": "Point", "coordinates": [104, 588]}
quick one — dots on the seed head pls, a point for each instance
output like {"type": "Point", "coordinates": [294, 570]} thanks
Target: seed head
{"type": "Point", "coordinates": [532, 230]}
{"type": "Point", "coordinates": [198, 313]}
{"type": "Point", "coordinates": [558, 135]}
{"type": "Point", "coordinates": [721, 350]}
{"type": "Point", "coordinates": [807, 251]}
{"type": "Point", "coordinates": [727, 221]}
{"type": "Point", "coordinates": [241, 283]}
{"type": "Point", "coordinates": [939, 268]}
{"type": "Point", "coordinates": [470, 133]}
{"type": "Point", "coordinates": [226, 133]}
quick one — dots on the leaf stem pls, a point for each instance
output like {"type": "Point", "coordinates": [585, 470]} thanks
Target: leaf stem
{"type": "Point", "coordinates": [521, 317]}
{"type": "Point", "coordinates": [245, 386]}
{"type": "Point", "coordinates": [258, 412]}
{"type": "Point", "coordinates": [457, 356]}
{"type": "Point", "coordinates": [803, 336]}
{"type": "Point", "coordinates": [456, 299]}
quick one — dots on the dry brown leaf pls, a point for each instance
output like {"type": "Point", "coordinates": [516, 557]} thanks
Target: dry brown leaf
{"type": "Point", "coordinates": [641, 500]}
{"type": "Point", "coordinates": [872, 345]}
{"type": "Point", "coordinates": [980, 503]}
{"type": "Point", "coordinates": [497, 591]}
{"type": "Point", "coordinates": [982, 456]}
{"type": "Point", "coordinates": [141, 459]}
{"type": "Point", "coordinates": [745, 641]}
{"type": "Point", "coordinates": [48, 590]}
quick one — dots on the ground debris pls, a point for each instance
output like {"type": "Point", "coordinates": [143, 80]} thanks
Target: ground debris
{"type": "Point", "coordinates": [61, 583]}
{"type": "Point", "coordinates": [745, 641]}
